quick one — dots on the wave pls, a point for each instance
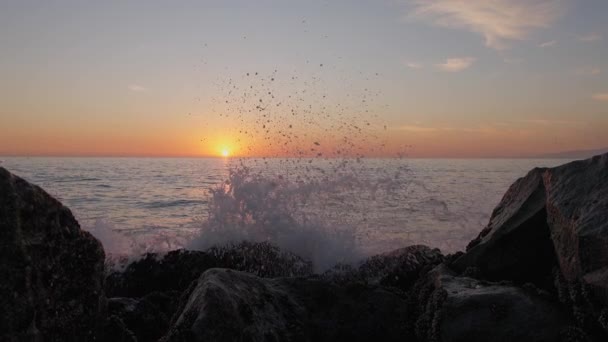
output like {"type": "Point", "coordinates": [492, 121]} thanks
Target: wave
{"type": "Point", "coordinates": [76, 179]}
{"type": "Point", "coordinates": [174, 203]}
{"type": "Point", "coordinates": [309, 216]}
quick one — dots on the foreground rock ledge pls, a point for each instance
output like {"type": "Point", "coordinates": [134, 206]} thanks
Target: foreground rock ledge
{"type": "Point", "coordinates": [51, 272]}
{"type": "Point", "coordinates": [227, 305]}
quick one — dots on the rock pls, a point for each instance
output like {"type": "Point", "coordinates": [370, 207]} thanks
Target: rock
{"type": "Point", "coordinates": [516, 245]}
{"type": "Point", "coordinates": [175, 270]}
{"type": "Point", "coordinates": [399, 268]}
{"type": "Point", "coordinates": [51, 271]}
{"type": "Point", "coordinates": [147, 318]}
{"type": "Point", "coordinates": [115, 330]}
{"type": "Point", "coordinates": [556, 216]}
{"type": "Point", "coordinates": [226, 305]}
{"type": "Point", "coordinates": [577, 213]}
{"type": "Point", "coordinates": [456, 308]}
{"type": "Point", "coordinates": [262, 259]}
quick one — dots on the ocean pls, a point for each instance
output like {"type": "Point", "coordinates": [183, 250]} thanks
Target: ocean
{"type": "Point", "coordinates": [329, 210]}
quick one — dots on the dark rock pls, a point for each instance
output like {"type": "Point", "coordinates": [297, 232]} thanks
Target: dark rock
{"type": "Point", "coordinates": [115, 330]}
{"type": "Point", "coordinates": [399, 268]}
{"type": "Point", "coordinates": [51, 271]}
{"type": "Point", "coordinates": [551, 216]}
{"type": "Point", "coordinates": [577, 213]}
{"type": "Point", "coordinates": [262, 259]}
{"type": "Point", "coordinates": [554, 218]}
{"type": "Point", "coordinates": [175, 270]}
{"type": "Point", "coordinates": [146, 318]}
{"type": "Point", "coordinates": [516, 245]}
{"type": "Point", "coordinates": [226, 305]}
{"type": "Point", "coordinates": [456, 308]}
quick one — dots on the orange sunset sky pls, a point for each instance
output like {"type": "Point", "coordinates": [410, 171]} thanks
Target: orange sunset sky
{"type": "Point", "coordinates": [443, 78]}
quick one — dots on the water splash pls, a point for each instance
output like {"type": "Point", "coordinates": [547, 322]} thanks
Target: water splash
{"type": "Point", "coordinates": [313, 214]}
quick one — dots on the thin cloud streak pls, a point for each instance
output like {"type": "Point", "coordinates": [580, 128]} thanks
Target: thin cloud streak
{"type": "Point", "coordinates": [601, 97]}
{"type": "Point", "coordinates": [548, 44]}
{"type": "Point", "coordinates": [589, 71]}
{"type": "Point", "coordinates": [413, 65]}
{"type": "Point", "coordinates": [498, 21]}
{"type": "Point", "coordinates": [137, 88]}
{"type": "Point", "coordinates": [590, 37]}
{"type": "Point", "coordinates": [456, 64]}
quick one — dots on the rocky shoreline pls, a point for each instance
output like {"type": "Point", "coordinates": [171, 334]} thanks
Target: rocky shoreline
{"type": "Point", "coordinates": [537, 272]}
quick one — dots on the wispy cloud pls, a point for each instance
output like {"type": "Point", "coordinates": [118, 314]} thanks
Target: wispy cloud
{"type": "Point", "coordinates": [590, 37]}
{"type": "Point", "coordinates": [548, 44]}
{"type": "Point", "coordinates": [551, 122]}
{"type": "Point", "coordinates": [436, 129]}
{"type": "Point", "coordinates": [413, 65]}
{"type": "Point", "coordinates": [601, 97]}
{"type": "Point", "coordinates": [588, 71]}
{"type": "Point", "coordinates": [137, 87]}
{"type": "Point", "coordinates": [456, 64]}
{"type": "Point", "coordinates": [418, 129]}
{"type": "Point", "coordinates": [498, 21]}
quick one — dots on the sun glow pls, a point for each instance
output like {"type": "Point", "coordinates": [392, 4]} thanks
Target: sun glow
{"type": "Point", "coordinates": [225, 152]}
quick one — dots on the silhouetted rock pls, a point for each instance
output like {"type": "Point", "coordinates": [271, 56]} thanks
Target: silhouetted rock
{"type": "Point", "coordinates": [262, 259]}
{"type": "Point", "coordinates": [456, 308]}
{"type": "Point", "coordinates": [115, 330]}
{"type": "Point", "coordinates": [554, 218]}
{"type": "Point", "coordinates": [399, 268]}
{"type": "Point", "coordinates": [51, 271]}
{"type": "Point", "coordinates": [147, 318]}
{"type": "Point", "coordinates": [516, 245]}
{"type": "Point", "coordinates": [562, 209]}
{"type": "Point", "coordinates": [175, 270]}
{"type": "Point", "coordinates": [226, 305]}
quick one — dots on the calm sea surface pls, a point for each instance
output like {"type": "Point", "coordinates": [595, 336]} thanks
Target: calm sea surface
{"type": "Point", "coordinates": [381, 203]}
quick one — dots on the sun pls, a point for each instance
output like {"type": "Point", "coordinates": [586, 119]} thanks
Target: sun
{"type": "Point", "coordinates": [225, 152]}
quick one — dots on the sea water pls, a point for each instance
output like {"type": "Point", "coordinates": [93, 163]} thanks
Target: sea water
{"type": "Point", "coordinates": [328, 210]}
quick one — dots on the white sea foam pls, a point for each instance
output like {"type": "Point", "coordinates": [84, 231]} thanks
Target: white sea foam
{"type": "Point", "coordinates": [313, 214]}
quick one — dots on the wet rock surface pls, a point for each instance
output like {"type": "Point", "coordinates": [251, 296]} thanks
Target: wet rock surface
{"type": "Point", "coordinates": [551, 229]}
{"type": "Point", "coordinates": [227, 305]}
{"type": "Point", "coordinates": [175, 270]}
{"type": "Point", "coordinates": [51, 271]}
{"type": "Point", "coordinates": [457, 308]}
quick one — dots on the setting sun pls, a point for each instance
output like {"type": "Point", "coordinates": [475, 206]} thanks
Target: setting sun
{"type": "Point", "coordinates": [225, 152]}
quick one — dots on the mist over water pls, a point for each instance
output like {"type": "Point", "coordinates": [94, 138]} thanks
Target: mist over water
{"type": "Point", "coordinates": [315, 214]}
{"type": "Point", "coordinates": [324, 212]}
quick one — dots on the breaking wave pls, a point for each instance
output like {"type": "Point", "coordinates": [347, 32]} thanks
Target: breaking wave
{"type": "Point", "coordinates": [307, 215]}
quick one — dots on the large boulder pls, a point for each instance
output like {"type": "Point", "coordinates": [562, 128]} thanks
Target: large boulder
{"type": "Point", "coordinates": [51, 271]}
{"type": "Point", "coordinates": [553, 216]}
{"type": "Point", "coordinates": [516, 244]}
{"type": "Point", "coordinates": [454, 308]}
{"type": "Point", "coordinates": [227, 305]}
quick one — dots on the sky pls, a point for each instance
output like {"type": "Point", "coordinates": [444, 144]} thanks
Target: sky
{"type": "Point", "coordinates": [419, 78]}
